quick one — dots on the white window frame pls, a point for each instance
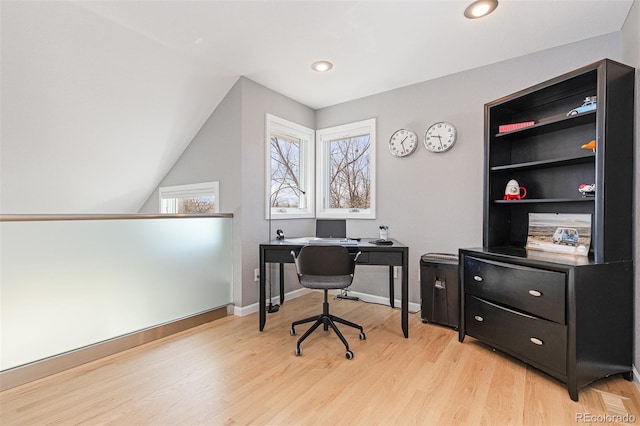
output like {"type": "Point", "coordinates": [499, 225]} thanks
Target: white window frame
{"type": "Point", "coordinates": [189, 191]}
{"type": "Point", "coordinates": [278, 125]}
{"type": "Point", "coordinates": [323, 137]}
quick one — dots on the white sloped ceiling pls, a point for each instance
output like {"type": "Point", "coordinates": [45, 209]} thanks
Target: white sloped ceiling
{"type": "Point", "coordinates": [99, 98]}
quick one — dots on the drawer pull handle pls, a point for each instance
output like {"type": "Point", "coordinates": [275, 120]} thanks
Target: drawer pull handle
{"type": "Point", "coordinates": [477, 278]}
{"type": "Point", "coordinates": [535, 293]}
{"type": "Point", "coordinates": [536, 341]}
{"type": "Point", "coordinates": [478, 318]}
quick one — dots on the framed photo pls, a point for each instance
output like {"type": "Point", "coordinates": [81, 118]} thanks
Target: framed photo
{"type": "Point", "coordinates": [560, 233]}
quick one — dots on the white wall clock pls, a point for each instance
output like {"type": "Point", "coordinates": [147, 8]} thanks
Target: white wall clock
{"type": "Point", "coordinates": [403, 142]}
{"type": "Point", "coordinates": [440, 137]}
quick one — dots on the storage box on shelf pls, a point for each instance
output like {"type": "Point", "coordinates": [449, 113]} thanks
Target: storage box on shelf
{"type": "Point", "coordinates": [568, 316]}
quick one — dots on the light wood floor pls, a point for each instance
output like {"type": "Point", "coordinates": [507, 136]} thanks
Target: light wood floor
{"type": "Point", "coordinates": [229, 373]}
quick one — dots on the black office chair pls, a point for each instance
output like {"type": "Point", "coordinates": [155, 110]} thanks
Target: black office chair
{"type": "Point", "coordinates": [325, 267]}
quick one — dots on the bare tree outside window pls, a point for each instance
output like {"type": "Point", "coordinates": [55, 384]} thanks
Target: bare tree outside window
{"type": "Point", "coordinates": [328, 173]}
{"type": "Point", "coordinates": [196, 205]}
{"type": "Point", "coordinates": [345, 167]}
{"type": "Point", "coordinates": [196, 198]}
{"type": "Point", "coordinates": [289, 169]}
{"type": "Point", "coordinates": [285, 172]}
{"type": "Point", "coordinates": [349, 174]}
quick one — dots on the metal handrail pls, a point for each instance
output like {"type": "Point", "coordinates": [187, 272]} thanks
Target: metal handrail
{"type": "Point", "coordinates": [54, 217]}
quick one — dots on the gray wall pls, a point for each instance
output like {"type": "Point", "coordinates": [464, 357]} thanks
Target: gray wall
{"type": "Point", "coordinates": [230, 148]}
{"type": "Point", "coordinates": [213, 155]}
{"type": "Point", "coordinates": [257, 100]}
{"type": "Point", "coordinates": [431, 202]}
{"type": "Point", "coordinates": [631, 56]}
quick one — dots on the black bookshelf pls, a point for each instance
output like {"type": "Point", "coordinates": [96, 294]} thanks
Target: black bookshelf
{"type": "Point", "coordinates": [569, 316]}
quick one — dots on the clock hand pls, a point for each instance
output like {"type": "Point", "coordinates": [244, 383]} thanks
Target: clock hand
{"type": "Point", "coordinates": [440, 140]}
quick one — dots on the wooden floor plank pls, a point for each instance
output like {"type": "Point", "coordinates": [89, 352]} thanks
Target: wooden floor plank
{"type": "Point", "coordinates": [228, 373]}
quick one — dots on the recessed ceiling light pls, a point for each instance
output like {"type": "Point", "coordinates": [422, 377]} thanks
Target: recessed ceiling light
{"type": "Point", "coordinates": [321, 66]}
{"type": "Point", "coordinates": [480, 8]}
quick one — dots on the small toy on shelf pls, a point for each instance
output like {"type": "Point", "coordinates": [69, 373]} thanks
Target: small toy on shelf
{"type": "Point", "coordinates": [513, 191]}
{"type": "Point", "coordinates": [589, 104]}
{"type": "Point", "coordinates": [591, 145]}
{"type": "Point", "coordinates": [587, 189]}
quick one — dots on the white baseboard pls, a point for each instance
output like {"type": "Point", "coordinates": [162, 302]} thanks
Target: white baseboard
{"type": "Point", "coordinates": [636, 376]}
{"type": "Point", "coordinates": [246, 310]}
{"type": "Point", "coordinates": [413, 307]}
{"type": "Point", "coordinates": [249, 309]}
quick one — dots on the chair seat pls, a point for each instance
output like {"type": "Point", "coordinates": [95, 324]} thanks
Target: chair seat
{"type": "Point", "coordinates": [325, 267]}
{"type": "Point", "coordinates": [325, 282]}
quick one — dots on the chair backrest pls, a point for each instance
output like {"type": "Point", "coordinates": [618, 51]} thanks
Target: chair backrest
{"type": "Point", "coordinates": [325, 260]}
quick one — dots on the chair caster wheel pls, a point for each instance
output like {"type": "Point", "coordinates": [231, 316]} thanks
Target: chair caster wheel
{"type": "Point", "coordinates": [363, 336]}
{"type": "Point", "coordinates": [292, 332]}
{"type": "Point", "coordinates": [349, 355]}
{"type": "Point", "coordinates": [298, 351]}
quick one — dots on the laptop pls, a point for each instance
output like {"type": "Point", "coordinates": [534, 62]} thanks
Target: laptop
{"type": "Point", "coordinates": [331, 228]}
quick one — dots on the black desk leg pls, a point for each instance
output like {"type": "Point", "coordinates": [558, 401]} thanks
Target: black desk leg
{"type": "Point", "coordinates": [392, 299]}
{"type": "Point", "coordinates": [263, 291]}
{"type": "Point", "coordinates": [405, 293]}
{"type": "Point", "coordinates": [281, 283]}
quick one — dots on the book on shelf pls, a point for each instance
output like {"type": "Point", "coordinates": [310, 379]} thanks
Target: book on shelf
{"type": "Point", "coordinates": [503, 128]}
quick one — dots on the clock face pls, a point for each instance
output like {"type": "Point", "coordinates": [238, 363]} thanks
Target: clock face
{"type": "Point", "coordinates": [403, 142]}
{"type": "Point", "coordinates": [440, 137]}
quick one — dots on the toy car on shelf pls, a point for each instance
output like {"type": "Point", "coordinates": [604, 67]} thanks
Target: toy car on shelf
{"type": "Point", "coordinates": [587, 189]}
{"type": "Point", "coordinates": [589, 104]}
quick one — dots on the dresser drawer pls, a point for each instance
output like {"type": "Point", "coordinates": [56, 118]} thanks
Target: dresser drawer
{"type": "Point", "coordinates": [534, 339]}
{"type": "Point", "coordinates": [535, 291]}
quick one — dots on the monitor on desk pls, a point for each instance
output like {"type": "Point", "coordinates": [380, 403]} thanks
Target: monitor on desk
{"type": "Point", "coordinates": [331, 228]}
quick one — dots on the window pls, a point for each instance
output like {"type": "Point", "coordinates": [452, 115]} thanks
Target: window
{"type": "Point", "coordinates": [290, 173]}
{"type": "Point", "coordinates": [346, 171]}
{"type": "Point", "coordinates": [199, 198]}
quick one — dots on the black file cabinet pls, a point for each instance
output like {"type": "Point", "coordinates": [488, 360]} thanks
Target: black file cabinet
{"type": "Point", "coordinates": [439, 289]}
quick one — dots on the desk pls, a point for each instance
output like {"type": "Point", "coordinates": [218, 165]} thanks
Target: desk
{"type": "Point", "coordinates": [279, 251]}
